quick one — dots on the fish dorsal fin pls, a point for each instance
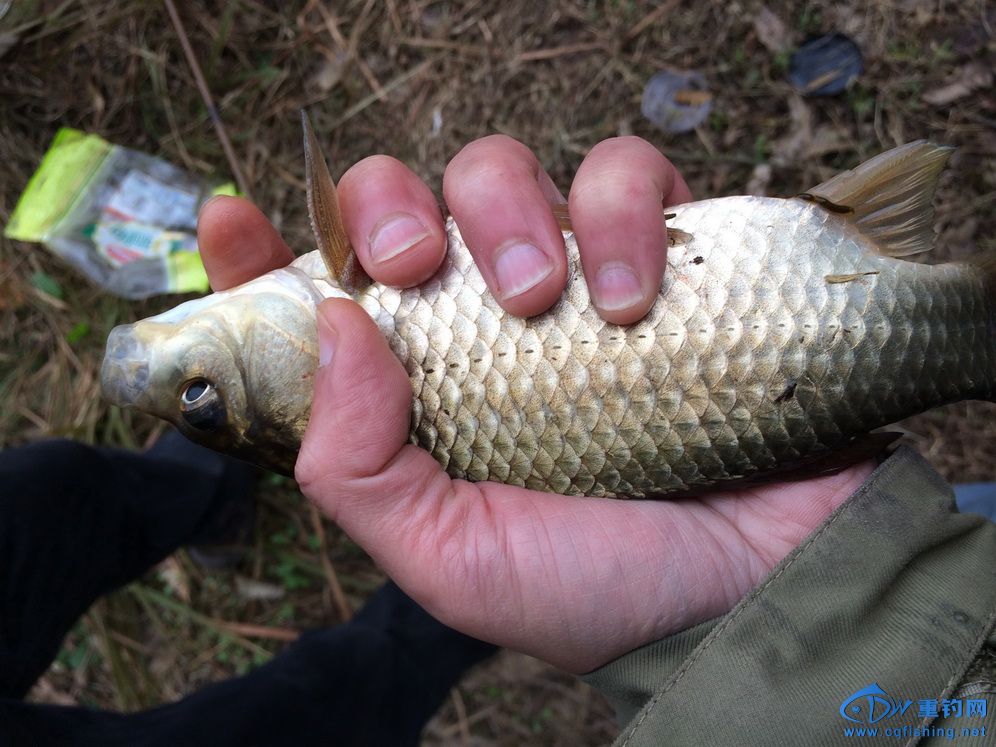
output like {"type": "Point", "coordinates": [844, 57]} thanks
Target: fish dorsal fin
{"type": "Point", "coordinates": [326, 218]}
{"type": "Point", "coordinates": [888, 198]}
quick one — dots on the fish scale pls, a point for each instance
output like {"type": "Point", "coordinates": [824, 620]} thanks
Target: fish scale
{"type": "Point", "coordinates": [783, 331]}
{"type": "Point", "coordinates": [686, 397]}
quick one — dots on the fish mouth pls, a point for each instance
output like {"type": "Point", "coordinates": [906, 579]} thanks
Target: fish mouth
{"type": "Point", "coordinates": [124, 375]}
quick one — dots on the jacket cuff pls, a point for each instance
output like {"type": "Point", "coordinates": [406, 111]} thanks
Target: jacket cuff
{"type": "Point", "coordinates": [895, 589]}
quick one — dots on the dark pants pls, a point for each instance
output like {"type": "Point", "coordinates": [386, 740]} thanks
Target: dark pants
{"type": "Point", "coordinates": [77, 522]}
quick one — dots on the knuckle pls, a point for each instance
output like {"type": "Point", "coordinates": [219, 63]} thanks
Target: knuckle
{"type": "Point", "coordinates": [473, 188]}
{"type": "Point", "coordinates": [371, 169]}
{"type": "Point", "coordinates": [619, 189]}
{"type": "Point", "coordinates": [625, 147]}
{"type": "Point", "coordinates": [307, 470]}
{"type": "Point", "coordinates": [491, 151]}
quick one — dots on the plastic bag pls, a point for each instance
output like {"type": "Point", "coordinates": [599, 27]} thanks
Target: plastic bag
{"type": "Point", "coordinates": [125, 219]}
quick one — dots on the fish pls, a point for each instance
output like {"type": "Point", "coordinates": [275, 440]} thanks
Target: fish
{"type": "Point", "coordinates": [786, 330]}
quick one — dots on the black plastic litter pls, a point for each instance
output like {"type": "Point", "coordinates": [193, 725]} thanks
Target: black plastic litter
{"type": "Point", "coordinates": [826, 66]}
{"type": "Point", "coordinates": [676, 101]}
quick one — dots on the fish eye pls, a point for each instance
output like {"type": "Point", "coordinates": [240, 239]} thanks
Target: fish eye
{"type": "Point", "coordinates": [201, 405]}
{"type": "Point", "coordinates": [195, 390]}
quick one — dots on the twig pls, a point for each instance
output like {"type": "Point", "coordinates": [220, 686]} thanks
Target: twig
{"type": "Point", "coordinates": [551, 52]}
{"type": "Point", "coordinates": [35, 419]}
{"type": "Point", "coordinates": [359, 26]}
{"type": "Point", "coordinates": [446, 732]}
{"type": "Point", "coordinates": [468, 49]}
{"type": "Point", "coordinates": [127, 695]}
{"type": "Point", "coordinates": [341, 603]}
{"type": "Point", "coordinates": [50, 300]}
{"type": "Point", "coordinates": [461, 714]}
{"type": "Point", "coordinates": [392, 12]}
{"type": "Point", "coordinates": [349, 47]}
{"type": "Point", "coordinates": [250, 630]}
{"type": "Point", "coordinates": [373, 98]}
{"type": "Point", "coordinates": [148, 597]}
{"type": "Point", "coordinates": [650, 18]}
{"type": "Point", "coordinates": [219, 126]}
{"type": "Point", "coordinates": [132, 644]}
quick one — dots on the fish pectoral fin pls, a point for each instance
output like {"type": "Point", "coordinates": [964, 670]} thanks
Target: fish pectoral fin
{"type": "Point", "coordinates": [326, 217]}
{"type": "Point", "coordinates": [888, 198]}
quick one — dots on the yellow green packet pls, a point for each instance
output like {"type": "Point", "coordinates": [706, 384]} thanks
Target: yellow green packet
{"type": "Point", "coordinates": [125, 219]}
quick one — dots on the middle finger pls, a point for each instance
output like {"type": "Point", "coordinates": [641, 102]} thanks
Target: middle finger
{"type": "Point", "coordinates": [500, 197]}
{"type": "Point", "coordinates": [617, 213]}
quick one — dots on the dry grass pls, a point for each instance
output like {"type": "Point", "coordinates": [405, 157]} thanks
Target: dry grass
{"type": "Point", "coordinates": [417, 79]}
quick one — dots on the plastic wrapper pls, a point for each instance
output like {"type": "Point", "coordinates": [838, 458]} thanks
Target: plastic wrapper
{"type": "Point", "coordinates": [124, 219]}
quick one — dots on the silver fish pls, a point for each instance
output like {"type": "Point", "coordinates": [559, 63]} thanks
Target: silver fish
{"type": "Point", "coordinates": [785, 329]}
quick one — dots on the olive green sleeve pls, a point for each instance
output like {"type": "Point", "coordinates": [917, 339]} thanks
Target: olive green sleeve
{"type": "Point", "coordinates": [895, 592]}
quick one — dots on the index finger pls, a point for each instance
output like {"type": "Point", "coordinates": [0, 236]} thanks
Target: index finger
{"type": "Point", "coordinates": [501, 198]}
{"type": "Point", "coordinates": [237, 242]}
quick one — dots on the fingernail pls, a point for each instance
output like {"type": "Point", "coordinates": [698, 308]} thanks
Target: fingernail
{"type": "Point", "coordinates": [617, 287]}
{"type": "Point", "coordinates": [519, 267]}
{"type": "Point", "coordinates": [395, 234]}
{"type": "Point", "coordinates": [327, 338]}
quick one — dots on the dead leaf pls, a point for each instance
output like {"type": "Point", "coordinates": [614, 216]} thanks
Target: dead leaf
{"type": "Point", "coordinates": [12, 294]}
{"type": "Point", "coordinates": [44, 691]}
{"type": "Point", "coordinates": [249, 588]}
{"type": "Point", "coordinates": [803, 143]}
{"type": "Point", "coordinates": [790, 148]}
{"type": "Point", "coordinates": [771, 32]}
{"type": "Point", "coordinates": [173, 575]}
{"type": "Point", "coordinates": [330, 72]}
{"type": "Point", "coordinates": [7, 40]}
{"type": "Point", "coordinates": [759, 180]}
{"type": "Point", "coordinates": [971, 77]}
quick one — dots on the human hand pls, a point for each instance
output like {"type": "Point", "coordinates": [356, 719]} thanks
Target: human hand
{"type": "Point", "coordinates": [573, 581]}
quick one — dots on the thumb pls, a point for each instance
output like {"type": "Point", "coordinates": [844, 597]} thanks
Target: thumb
{"type": "Point", "coordinates": [443, 541]}
{"type": "Point", "coordinates": [355, 461]}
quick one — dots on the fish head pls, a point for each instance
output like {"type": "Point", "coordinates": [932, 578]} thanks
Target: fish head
{"type": "Point", "coordinates": [233, 373]}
